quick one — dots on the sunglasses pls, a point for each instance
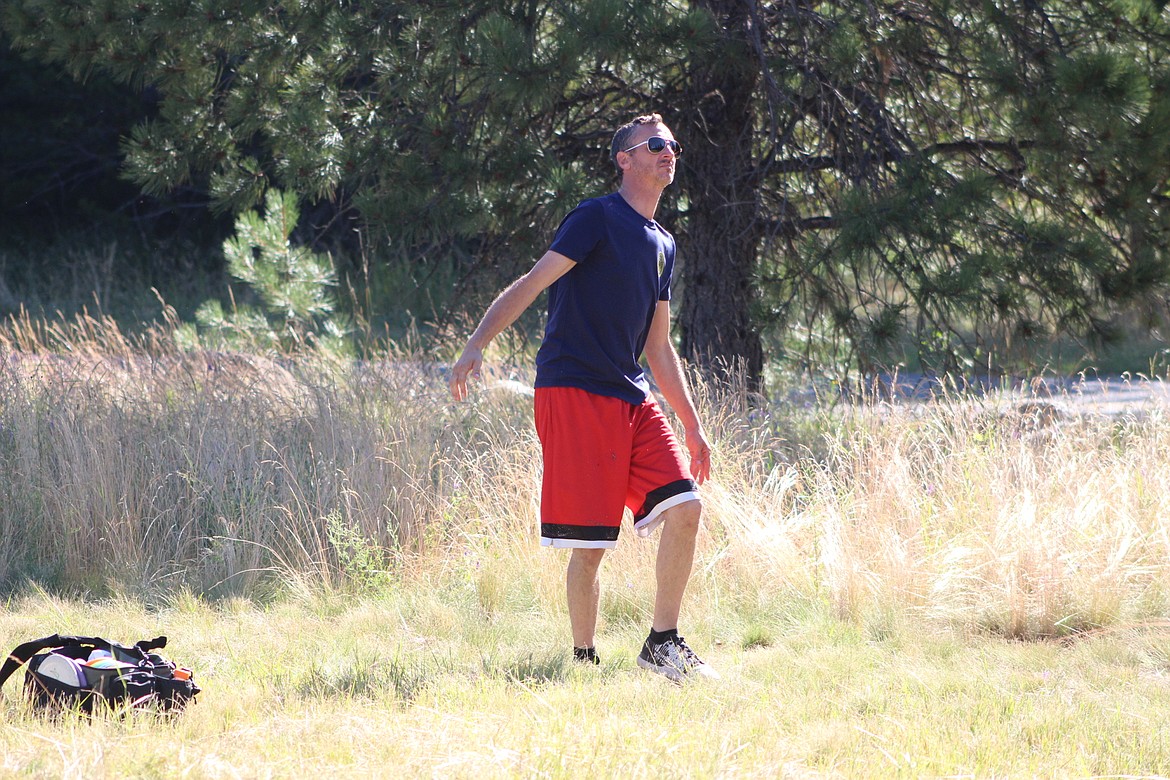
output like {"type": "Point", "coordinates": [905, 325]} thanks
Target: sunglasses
{"type": "Point", "coordinates": [657, 144]}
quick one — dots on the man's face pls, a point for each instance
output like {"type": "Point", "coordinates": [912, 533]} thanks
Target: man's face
{"type": "Point", "coordinates": [645, 164]}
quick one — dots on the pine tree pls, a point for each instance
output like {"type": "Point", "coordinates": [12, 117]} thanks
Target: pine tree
{"type": "Point", "coordinates": [961, 175]}
{"type": "Point", "coordinates": [858, 175]}
{"type": "Point", "coordinates": [294, 285]}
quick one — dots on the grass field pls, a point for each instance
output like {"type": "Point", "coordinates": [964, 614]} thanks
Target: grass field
{"type": "Point", "coordinates": [410, 684]}
{"type": "Point", "coordinates": [349, 563]}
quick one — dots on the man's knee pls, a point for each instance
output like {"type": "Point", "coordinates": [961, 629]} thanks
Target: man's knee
{"type": "Point", "coordinates": [586, 558]}
{"type": "Point", "coordinates": [685, 516]}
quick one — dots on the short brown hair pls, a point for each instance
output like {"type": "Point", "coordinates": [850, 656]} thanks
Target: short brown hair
{"type": "Point", "coordinates": [621, 139]}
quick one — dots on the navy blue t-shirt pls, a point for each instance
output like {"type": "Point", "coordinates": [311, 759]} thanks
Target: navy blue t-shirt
{"type": "Point", "coordinates": [599, 312]}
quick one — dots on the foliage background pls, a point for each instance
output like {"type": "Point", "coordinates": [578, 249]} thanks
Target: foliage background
{"type": "Point", "coordinates": [948, 186]}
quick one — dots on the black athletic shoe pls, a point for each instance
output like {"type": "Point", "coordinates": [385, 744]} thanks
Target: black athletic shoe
{"type": "Point", "coordinates": [586, 655]}
{"type": "Point", "coordinates": [674, 659]}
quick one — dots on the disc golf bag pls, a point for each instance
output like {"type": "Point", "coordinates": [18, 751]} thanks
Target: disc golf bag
{"type": "Point", "coordinates": [82, 673]}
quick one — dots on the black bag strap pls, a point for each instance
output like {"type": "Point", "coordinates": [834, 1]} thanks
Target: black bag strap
{"type": "Point", "coordinates": [21, 655]}
{"type": "Point", "coordinates": [146, 645]}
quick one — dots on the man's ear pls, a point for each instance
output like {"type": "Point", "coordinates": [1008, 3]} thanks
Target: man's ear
{"type": "Point", "coordinates": [623, 161]}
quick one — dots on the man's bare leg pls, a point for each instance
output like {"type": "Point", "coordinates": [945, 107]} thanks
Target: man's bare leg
{"type": "Point", "coordinates": [665, 652]}
{"type": "Point", "coordinates": [583, 586]}
{"type": "Point", "coordinates": [676, 556]}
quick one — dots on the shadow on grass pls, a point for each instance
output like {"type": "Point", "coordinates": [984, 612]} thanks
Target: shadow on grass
{"type": "Point", "coordinates": [551, 666]}
{"type": "Point", "coordinates": [372, 678]}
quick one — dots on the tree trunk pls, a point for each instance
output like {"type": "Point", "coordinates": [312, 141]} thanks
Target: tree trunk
{"type": "Point", "coordinates": [721, 238]}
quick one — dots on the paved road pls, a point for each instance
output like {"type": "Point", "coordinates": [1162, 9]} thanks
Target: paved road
{"type": "Point", "coordinates": [1099, 395]}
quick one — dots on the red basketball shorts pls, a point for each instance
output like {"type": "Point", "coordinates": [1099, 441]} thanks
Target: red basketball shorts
{"type": "Point", "coordinates": [602, 455]}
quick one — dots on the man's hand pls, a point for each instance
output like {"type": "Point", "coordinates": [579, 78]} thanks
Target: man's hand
{"type": "Point", "coordinates": [700, 452]}
{"type": "Point", "coordinates": [468, 364]}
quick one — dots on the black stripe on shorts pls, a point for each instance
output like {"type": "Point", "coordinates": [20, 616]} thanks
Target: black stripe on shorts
{"type": "Point", "coordinates": [581, 533]}
{"type": "Point", "coordinates": [658, 495]}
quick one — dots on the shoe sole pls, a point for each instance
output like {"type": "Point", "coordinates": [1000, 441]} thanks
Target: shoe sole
{"type": "Point", "coordinates": [674, 675]}
{"type": "Point", "coordinates": [669, 672]}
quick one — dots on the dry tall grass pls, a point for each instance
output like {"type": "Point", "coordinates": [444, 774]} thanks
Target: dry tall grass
{"type": "Point", "coordinates": [1019, 520]}
{"type": "Point", "coordinates": [127, 466]}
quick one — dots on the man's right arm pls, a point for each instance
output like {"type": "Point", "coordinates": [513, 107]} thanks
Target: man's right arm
{"type": "Point", "coordinates": [506, 308]}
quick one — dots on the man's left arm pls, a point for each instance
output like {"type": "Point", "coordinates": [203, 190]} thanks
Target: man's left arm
{"type": "Point", "coordinates": [668, 374]}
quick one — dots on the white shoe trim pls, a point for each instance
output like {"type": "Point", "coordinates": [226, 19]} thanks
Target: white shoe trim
{"type": "Point", "coordinates": [668, 671]}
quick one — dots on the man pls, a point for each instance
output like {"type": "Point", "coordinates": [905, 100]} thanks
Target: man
{"type": "Point", "coordinates": [605, 442]}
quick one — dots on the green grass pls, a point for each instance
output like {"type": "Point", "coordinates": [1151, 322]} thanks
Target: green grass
{"type": "Point", "coordinates": [117, 275]}
{"type": "Point", "coordinates": [416, 682]}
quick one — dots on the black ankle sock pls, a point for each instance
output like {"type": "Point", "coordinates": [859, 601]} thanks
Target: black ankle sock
{"type": "Point", "coordinates": [587, 654]}
{"type": "Point", "coordinates": [658, 637]}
